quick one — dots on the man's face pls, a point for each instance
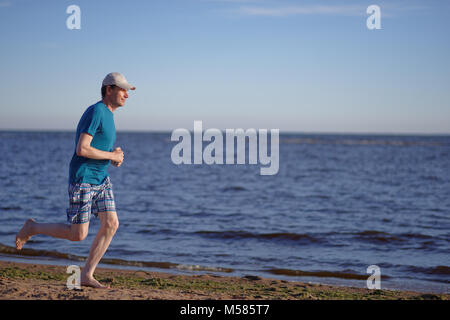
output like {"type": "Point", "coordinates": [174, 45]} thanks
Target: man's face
{"type": "Point", "coordinates": [118, 96]}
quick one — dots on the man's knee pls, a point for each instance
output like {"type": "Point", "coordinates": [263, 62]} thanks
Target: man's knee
{"type": "Point", "coordinates": [111, 222]}
{"type": "Point", "coordinates": [79, 232]}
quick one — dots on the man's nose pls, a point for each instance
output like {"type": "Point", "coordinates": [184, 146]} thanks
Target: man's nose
{"type": "Point", "coordinates": [126, 94]}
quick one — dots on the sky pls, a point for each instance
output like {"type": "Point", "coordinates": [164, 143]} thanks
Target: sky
{"type": "Point", "coordinates": [298, 66]}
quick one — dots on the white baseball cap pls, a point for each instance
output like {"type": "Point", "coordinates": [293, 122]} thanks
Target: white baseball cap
{"type": "Point", "coordinates": [117, 79]}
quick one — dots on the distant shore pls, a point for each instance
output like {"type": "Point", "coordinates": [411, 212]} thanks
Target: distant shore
{"type": "Point", "coordinates": [20, 281]}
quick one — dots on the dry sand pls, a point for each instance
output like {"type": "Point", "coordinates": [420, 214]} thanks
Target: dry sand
{"type": "Point", "coordinates": [34, 282]}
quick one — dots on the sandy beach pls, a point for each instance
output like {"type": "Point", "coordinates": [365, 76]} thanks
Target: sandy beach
{"type": "Point", "coordinates": [20, 281]}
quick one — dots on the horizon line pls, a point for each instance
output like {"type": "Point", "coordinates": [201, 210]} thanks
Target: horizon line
{"type": "Point", "coordinates": [388, 133]}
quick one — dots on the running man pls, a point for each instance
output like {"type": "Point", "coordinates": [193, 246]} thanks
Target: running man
{"type": "Point", "coordinates": [90, 188]}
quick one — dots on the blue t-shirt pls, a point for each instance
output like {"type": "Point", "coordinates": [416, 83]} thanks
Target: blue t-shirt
{"type": "Point", "coordinates": [98, 121]}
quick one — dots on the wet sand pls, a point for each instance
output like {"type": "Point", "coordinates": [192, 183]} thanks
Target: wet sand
{"type": "Point", "coordinates": [20, 281]}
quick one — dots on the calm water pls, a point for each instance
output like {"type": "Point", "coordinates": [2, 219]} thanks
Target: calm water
{"type": "Point", "coordinates": [338, 204]}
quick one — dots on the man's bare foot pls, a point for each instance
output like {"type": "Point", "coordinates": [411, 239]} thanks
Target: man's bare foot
{"type": "Point", "coordinates": [91, 282]}
{"type": "Point", "coordinates": [24, 234]}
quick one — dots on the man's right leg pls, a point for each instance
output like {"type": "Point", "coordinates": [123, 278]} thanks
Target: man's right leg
{"type": "Point", "coordinates": [73, 232]}
{"type": "Point", "coordinates": [78, 213]}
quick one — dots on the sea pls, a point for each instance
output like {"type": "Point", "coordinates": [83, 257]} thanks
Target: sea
{"type": "Point", "coordinates": [340, 207]}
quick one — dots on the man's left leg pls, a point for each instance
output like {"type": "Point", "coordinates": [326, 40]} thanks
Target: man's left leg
{"type": "Point", "coordinates": [108, 227]}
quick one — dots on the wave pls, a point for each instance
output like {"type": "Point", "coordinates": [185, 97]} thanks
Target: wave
{"type": "Point", "coordinates": [16, 208]}
{"type": "Point", "coordinates": [439, 274]}
{"type": "Point", "coordinates": [359, 142]}
{"type": "Point", "coordinates": [234, 188]}
{"type": "Point", "coordinates": [380, 236]}
{"type": "Point", "coordinates": [156, 231]}
{"type": "Point", "coordinates": [203, 268]}
{"type": "Point", "coordinates": [112, 261]}
{"type": "Point", "coordinates": [322, 274]}
{"type": "Point", "coordinates": [38, 253]}
{"type": "Point", "coordinates": [232, 234]}
{"type": "Point", "coordinates": [372, 236]}
{"type": "Point", "coordinates": [440, 270]}
{"type": "Point", "coordinates": [416, 236]}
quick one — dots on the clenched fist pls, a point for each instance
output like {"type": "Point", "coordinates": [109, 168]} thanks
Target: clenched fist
{"type": "Point", "coordinates": [118, 157]}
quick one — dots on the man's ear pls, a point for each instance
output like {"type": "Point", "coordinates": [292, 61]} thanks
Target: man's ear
{"type": "Point", "coordinates": [108, 90]}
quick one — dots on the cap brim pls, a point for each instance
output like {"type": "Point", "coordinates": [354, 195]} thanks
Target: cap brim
{"type": "Point", "coordinates": [127, 86]}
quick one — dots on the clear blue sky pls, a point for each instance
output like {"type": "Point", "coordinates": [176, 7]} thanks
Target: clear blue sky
{"type": "Point", "coordinates": [309, 66]}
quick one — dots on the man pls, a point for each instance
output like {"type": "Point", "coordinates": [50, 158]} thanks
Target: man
{"type": "Point", "coordinates": [90, 188]}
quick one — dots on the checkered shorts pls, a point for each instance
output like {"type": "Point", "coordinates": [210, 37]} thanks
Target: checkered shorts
{"type": "Point", "coordinates": [86, 199]}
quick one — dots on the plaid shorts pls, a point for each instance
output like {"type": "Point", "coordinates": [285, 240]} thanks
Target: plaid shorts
{"type": "Point", "coordinates": [86, 199]}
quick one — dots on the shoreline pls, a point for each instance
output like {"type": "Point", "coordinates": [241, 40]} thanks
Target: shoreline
{"type": "Point", "coordinates": [31, 281]}
{"type": "Point", "coordinates": [334, 279]}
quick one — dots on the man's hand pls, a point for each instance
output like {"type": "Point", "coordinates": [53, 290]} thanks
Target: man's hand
{"type": "Point", "coordinates": [118, 157]}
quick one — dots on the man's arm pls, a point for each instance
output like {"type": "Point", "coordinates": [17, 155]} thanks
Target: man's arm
{"type": "Point", "coordinates": [84, 149]}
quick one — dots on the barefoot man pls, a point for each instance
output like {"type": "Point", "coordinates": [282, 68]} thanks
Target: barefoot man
{"type": "Point", "coordinates": [90, 188]}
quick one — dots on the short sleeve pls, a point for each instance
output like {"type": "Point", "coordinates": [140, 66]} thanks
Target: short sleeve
{"type": "Point", "coordinates": [91, 121]}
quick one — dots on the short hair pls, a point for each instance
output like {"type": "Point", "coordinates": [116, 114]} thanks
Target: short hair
{"type": "Point", "coordinates": [104, 89]}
